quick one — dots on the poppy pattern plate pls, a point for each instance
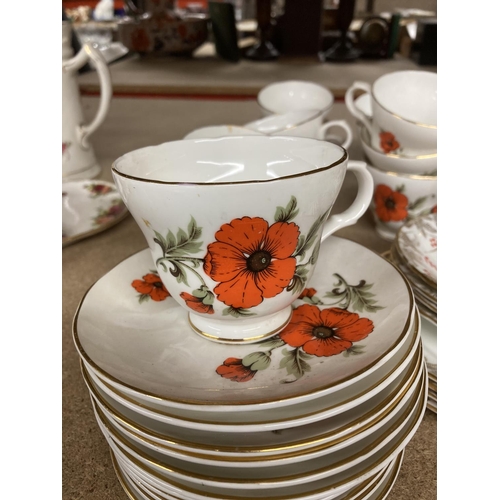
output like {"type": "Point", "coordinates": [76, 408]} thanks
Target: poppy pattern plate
{"type": "Point", "coordinates": [356, 311]}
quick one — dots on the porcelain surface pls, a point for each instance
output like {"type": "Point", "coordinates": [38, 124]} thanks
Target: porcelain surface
{"type": "Point", "coordinates": [399, 198]}
{"type": "Point", "coordinates": [429, 341]}
{"type": "Point", "coordinates": [373, 452]}
{"type": "Point", "coordinates": [214, 131]}
{"type": "Point", "coordinates": [417, 244]}
{"type": "Point", "coordinates": [179, 366]}
{"type": "Point", "coordinates": [294, 95]}
{"type": "Point", "coordinates": [419, 165]}
{"type": "Point", "coordinates": [404, 112]}
{"type": "Point", "coordinates": [298, 444]}
{"type": "Point", "coordinates": [237, 266]}
{"type": "Point", "coordinates": [89, 207]}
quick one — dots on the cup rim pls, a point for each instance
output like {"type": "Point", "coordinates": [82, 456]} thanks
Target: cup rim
{"type": "Point", "coordinates": [344, 157]}
{"type": "Point", "coordinates": [363, 140]}
{"type": "Point", "coordinates": [392, 113]}
{"type": "Point", "coordinates": [417, 177]}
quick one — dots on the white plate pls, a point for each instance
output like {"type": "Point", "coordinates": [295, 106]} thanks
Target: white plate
{"type": "Point", "coordinates": [214, 131]}
{"type": "Point", "coordinates": [429, 341]}
{"type": "Point", "coordinates": [89, 207]}
{"type": "Point", "coordinates": [148, 349]}
{"type": "Point", "coordinates": [416, 241]}
{"type": "Point", "coordinates": [287, 454]}
{"type": "Point", "coordinates": [335, 473]}
{"type": "Point", "coordinates": [273, 124]}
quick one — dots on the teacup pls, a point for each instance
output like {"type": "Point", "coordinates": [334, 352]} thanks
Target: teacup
{"type": "Point", "coordinates": [398, 198]}
{"type": "Point", "coordinates": [392, 162]}
{"type": "Point", "coordinates": [234, 224]}
{"type": "Point", "coordinates": [294, 95]}
{"type": "Point", "coordinates": [301, 123]}
{"type": "Point", "coordinates": [404, 112]}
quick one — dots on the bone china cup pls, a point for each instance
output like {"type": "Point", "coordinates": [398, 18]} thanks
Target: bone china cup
{"type": "Point", "coordinates": [404, 112]}
{"type": "Point", "coordinates": [234, 224]}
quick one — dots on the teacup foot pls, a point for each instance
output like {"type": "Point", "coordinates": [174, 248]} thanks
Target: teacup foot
{"type": "Point", "coordinates": [241, 331]}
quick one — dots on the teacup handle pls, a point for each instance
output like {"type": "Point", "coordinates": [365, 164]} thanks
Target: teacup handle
{"type": "Point", "coordinates": [349, 102]}
{"type": "Point", "coordinates": [86, 53]}
{"type": "Point", "coordinates": [360, 204]}
{"type": "Point", "coordinates": [337, 123]}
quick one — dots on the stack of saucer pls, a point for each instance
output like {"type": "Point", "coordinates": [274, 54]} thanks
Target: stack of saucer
{"type": "Point", "coordinates": [414, 252]}
{"type": "Point", "coordinates": [319, 413]}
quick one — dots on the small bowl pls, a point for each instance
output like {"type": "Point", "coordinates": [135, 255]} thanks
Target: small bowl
{"type": "Point", "coordinates": [413, 165]}
{"type": "Point", "coordinates": [294, 95]}
{"type": "Point", "coordinates": [147, 36]}
{"type": "Point", "coordinates": [215, 131]}
{"type": "Point", "coordinates": [399, 198]}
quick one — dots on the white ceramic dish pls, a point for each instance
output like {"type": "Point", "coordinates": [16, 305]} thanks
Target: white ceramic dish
{"type": "Point", "coordinates": [136, 485]}
{"type": "Point", "coordinates": [89, 207]}
{"type": "Point", "coordinates": [429, 341]}
{"type": "Point", "coordinates": [278, 123]}
{"type": "Point", "coordinates": [359, 429]}
{"type": "Point", "coordinates": [178, 368]}
{"type": "Point", "coordinates": [413, 165]}
{"type": "Point", "coordinates": [417, 244]}
{"type": "Point", "coordinates": [398, 198]}
{"type": "Point", "coordinates": [278, 418]}
{"type": "Point", "coordinates": [294, 95]}
{"type": "Point", "coordinates": [214, 131]}
{"type": "Point", "coordinates": [344, 470]}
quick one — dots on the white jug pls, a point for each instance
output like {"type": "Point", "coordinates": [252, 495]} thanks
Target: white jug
{"type": "Point", "coordinates": [78, 158]}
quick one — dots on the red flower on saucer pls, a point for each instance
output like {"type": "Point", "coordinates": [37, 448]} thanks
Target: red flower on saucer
{"type": "Point", "coordinates": [325, 332]}
{"type": "Point", "coordinates": [196, 304]}
{"type": "Point", "coordinates": [390, 205]}
{"type": "Point", "coordinates": [152, 286]}
{"type": "Point", "coordinates": [251, 260]}
{"type": "Point", "coordinates": [388, 142]}
{"type": "Point", "coordinates": [234, 370]}
{"type": "Point", "coordinates": [307, 293]}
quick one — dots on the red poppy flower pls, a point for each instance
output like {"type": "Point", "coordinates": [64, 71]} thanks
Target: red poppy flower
{"type": "Point", "coordinates": [100, 188]}
{"type": "Point", "coordinates": [434, 209]}
{"type": "Point", "coordinates": [390, 205]}
{"type": "Point", "coordinates": [151, 285]}
{"type": "Point", "coordinates": [388, 142]}
{"type": "Point", "coordinates": [251, 260]}
{"type": "Point", "coordinates": [234, 370]}
{"type": "Point", "coordinates": [196, 304]}
{"type": "Point", "coordinates": [325, 332]}
{"type": "Point", "coordinates": [307, 293]}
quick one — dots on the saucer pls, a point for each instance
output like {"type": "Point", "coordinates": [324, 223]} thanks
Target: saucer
{"type": "Point", "coordinates": [89, 207]}
{"type": "Point", "coordinates": [214, 131]}
{"type": "Point", "coordinates": [276, 123]}
{"type": "Point", "coordinates": [130, 334]}
{"type": "Point", "coordinates": [417, 243]}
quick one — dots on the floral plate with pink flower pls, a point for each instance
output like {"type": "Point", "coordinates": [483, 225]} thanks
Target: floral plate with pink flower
{"type": "Point", "coordinates": [89, 207]}
{"type": "Point", "coordinates": [353, 318]}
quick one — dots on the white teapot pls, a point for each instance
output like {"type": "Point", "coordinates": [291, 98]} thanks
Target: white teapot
{"type": "Point", "coordinates": [78, 158]}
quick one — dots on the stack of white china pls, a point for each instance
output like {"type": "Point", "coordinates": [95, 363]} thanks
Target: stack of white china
{"type": "Point", "coordinates": [414, 252]}
{"type": "Point", "coordinates": [397, 126]}
{"type": "Point", "coordinates": [326, 418]}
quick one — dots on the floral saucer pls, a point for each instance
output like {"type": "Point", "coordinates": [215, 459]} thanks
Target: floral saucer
{"type": "Point", "coordinates": [89, 207]}
{"type": "Point", "coordinates": [417, 243]}
{"type": "Point", "coordinates": [356, 313]}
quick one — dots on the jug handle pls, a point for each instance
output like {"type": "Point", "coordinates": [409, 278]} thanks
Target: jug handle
{"type": "Point", "coordinates": [86, 53]}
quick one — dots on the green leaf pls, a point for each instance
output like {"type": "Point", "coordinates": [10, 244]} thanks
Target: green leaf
{"type": "Point", "coordinates": [295, 362]}
{"type": "Point", "coordinates": [236, 312]}
{"type": "Point", "coordinates": [272, 343]}
{"type": "Point", "coordinates": [144, 297]}
{"type": "Point", "coordinates": [256, 361]}
{"type": "Point", "coordinates": [288, 213]}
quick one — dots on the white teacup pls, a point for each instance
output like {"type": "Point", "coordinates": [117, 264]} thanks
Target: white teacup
{"type": "Point", "coordinates": [301, 123]}
{"type": "Point", "coordinates": [294, 95]}
{"type": "Point", "coordinates": [398, 198]}
{"type": "Point", "coordinates": [404, 112]}
{"type": "Point", "coordinates": [235, 224]}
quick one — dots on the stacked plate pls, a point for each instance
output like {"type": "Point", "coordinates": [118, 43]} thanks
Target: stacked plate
{"type": "Point", "coordinates": [414, 251]}
{"type": "Point", "coordinates": [321, 413]}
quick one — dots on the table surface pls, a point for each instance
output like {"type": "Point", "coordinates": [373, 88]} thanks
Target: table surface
{"type": "Point", "coordinates": [87, 470]}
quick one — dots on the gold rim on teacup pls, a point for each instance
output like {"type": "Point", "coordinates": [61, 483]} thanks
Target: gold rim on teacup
{"type": "Point", "coordinates": [364, 132]}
